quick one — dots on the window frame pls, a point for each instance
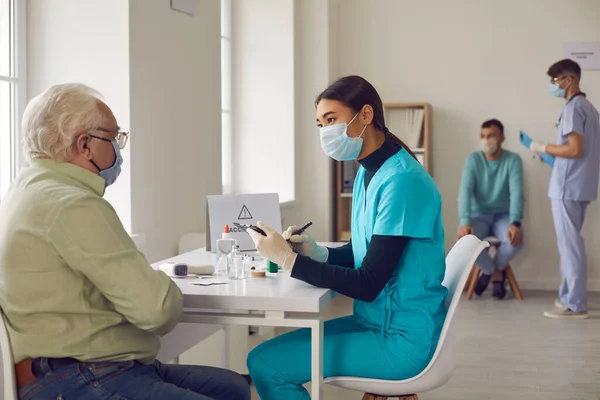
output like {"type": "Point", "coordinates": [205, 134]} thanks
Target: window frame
{"type": "Point", "coordinates": [17, 76]}
{"type": "Point", "coordinates": [226, 112]}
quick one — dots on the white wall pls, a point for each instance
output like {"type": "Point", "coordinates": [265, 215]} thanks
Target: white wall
{"type": "Point", "coordinates": [159, 70]}
{"type": "Point", "coordinates": [176, 120]}
{"type": "Point", "coordinates": [66, 43]}
{"type": "Point", "coordinates": [473, 61]}
{"type": "Point", "coordinates": [263, 97]}
{"type": "Point", "coordinates": [313, 59]}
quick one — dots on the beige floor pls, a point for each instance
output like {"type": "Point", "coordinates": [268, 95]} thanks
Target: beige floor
{"type": "Point", "coordinates": [507, 350]}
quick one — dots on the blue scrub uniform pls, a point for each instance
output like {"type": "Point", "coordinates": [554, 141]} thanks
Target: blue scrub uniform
{"type": "Point", "coordinates": [394, 336]}
{"type": "Point", "coordinates": [573, 185]}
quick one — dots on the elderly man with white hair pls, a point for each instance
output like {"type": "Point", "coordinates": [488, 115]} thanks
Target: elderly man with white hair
{"type": "Point", "coordinates": [83, 308]}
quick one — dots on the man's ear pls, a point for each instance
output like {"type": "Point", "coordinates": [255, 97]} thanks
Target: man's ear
{"type": "Point", "coordinates": [82, 146]}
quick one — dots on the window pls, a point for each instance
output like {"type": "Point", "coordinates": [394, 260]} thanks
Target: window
{"type": "Point", "coordinates": [258, 99]}
{"type": "Point", "coordinates": [226, 117]}
{"type": "Point", "coordinates": [11, 89]}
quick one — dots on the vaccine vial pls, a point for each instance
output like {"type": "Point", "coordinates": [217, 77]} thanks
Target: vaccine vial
{"type": "Point", "coordinates": [235, 263]}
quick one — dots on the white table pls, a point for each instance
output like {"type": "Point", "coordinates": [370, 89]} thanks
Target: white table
{"type": "Point", "coordinates": [280, 300]}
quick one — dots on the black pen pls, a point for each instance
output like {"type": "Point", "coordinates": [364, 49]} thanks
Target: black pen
{"type": "Point", "coordinates": [301, 230]}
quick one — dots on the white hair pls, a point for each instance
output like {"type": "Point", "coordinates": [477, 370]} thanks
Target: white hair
{"type": "Point", "coordinates": [53, 120]}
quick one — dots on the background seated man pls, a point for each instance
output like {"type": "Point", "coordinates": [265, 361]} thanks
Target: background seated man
{"type": "Point", "coordinates": [490, 203]}
{"type": "Point", "coordinates": [84, 309]}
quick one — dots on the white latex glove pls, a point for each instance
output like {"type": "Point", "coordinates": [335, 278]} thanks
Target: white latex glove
{"type": "Point", "coordinates": [273, 246]}
{"type": "Point", "coordinates": [306, 245]}
{"type": "Point", "coordinates": [537, 147]}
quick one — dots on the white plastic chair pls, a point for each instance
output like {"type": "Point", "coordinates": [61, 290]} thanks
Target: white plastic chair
{"type": "Point", "coordinates": [458, 266]}
{"type": "Point", "coordinates": [8, 367]}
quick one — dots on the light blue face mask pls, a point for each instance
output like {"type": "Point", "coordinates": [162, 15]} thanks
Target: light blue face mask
{"type": "Point", "coordinates": [556, 91]}
{"type": "Point", "coordinates": [336, 143]}
{"type": "Point", "coordinates": [111, 173]}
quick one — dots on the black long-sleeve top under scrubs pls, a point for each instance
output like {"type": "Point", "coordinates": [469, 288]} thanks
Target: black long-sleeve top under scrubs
{"type": "Point", "coordinates": [383, 254]}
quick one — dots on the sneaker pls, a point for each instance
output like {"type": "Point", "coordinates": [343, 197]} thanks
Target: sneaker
{"type": "Point", "coordinates": [482, 284]}
{"type": "Point", "coordinates": [565, 314]}
{"type": "Point", "coordinates": [500, 288]}
{"type": "Point", "coordinates": [558, 304]}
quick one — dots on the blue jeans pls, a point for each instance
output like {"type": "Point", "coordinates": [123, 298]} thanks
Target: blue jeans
{"type": "Point", "coordinates": [497, 225]}
{"type": "Point", "coordinates": [130, 380]}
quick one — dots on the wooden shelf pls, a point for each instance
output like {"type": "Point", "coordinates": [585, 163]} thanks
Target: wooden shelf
{"type": "Point", "coordinates": [342, 202]}
{"type": "Point", "coordinates": [344, 236]}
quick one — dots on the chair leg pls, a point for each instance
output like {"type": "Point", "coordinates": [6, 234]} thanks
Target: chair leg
{"type": "Point", "coordinates": [474, 276]}
{"type": "Point", "coordinates": [512, 282]}
{"type": "Point", "coordinates": [369, 396]}
{"type": "Point", "coordinates": [411, 397]}
{"type": "Point", "coordinates": [466, 288]}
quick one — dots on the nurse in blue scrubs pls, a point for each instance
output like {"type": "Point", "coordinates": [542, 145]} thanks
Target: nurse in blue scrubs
{"type": "Point", "coordinates": [393, 267]}
{"type": "Point", "coordinates": [573, 185]}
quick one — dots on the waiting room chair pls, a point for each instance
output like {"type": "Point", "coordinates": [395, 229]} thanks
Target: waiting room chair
{"type": "Point", "coordinates": [458, 262]}
{"type": "Point", "coordinates": [510, 276]}
{"type": "Point", "coordinates": [8, 367]}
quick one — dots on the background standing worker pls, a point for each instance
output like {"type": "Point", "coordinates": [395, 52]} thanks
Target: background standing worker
{"type": "Point", "coordinates": [573, 185]}
{"type": "Point", "coordinates": [393, 267]}
{"type": "Point", "coordinates": [490, 203]}
{"type": "Point", "coordinates": [83, 308]}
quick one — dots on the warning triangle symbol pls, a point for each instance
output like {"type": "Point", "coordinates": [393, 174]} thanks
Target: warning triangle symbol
{"type": "Point", "coordinates": [245, 213]}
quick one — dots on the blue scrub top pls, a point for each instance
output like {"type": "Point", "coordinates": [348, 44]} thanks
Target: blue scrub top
{"type": "Point", "coordinates": [576, 179]}
{"type": "Point", "coordinates": [403, 200]}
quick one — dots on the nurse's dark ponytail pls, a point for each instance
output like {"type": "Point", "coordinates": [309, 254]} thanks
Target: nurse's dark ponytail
{"type": "Point", "coordinates": [355, 92]}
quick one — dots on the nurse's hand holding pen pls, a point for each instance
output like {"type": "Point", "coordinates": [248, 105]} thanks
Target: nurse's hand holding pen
{"type": "Point", "coordinates": [305, 245]}
{"type": "Point", "coordinates": [273, 246]}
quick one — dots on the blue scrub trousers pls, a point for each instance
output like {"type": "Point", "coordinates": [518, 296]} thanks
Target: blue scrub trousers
{"type": "Point", "coordinates": [568, 221]}
{"type": "Point", "coordinates": [279, 367]}
{"type": "Point", "coordinates": [494, 224]}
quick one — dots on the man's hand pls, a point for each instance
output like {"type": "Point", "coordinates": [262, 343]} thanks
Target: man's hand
{"type": "Point", "coordinates": [465, 230]}
{"type": "Point", "coordinates": [514, 235]}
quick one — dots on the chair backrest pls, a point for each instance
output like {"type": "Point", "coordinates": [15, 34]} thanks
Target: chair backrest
{"type": "Point", "coordinates": [8, 368]}
{"type": "Point", "coordinates": [191, 241]}
{"type": "Point", "coordinates": [459, 262]}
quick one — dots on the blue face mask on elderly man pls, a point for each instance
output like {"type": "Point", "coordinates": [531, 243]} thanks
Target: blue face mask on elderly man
{"type": "Point", "coordinates": [111, 173]}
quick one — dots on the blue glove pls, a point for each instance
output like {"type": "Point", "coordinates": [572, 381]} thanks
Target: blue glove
{"type": "Point", "coordinates": [526, 141]}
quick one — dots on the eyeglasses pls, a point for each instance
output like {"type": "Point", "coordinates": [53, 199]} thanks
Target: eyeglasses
{"type": "Point", "coordinates": [557, 79]}
{"type": "Point", "coordinates": [120, 137]}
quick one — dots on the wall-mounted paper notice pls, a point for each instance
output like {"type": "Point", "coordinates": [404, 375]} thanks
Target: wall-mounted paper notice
{"type": "Point", "coordinates": [587, 55]}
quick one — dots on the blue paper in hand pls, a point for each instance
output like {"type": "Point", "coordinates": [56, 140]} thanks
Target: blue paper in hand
{"type": "Point", "coordinates": [526, 141]}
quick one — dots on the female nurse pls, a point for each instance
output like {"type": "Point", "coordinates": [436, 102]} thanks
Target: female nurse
{"type": "Point", "coordinates": [393, 267]}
